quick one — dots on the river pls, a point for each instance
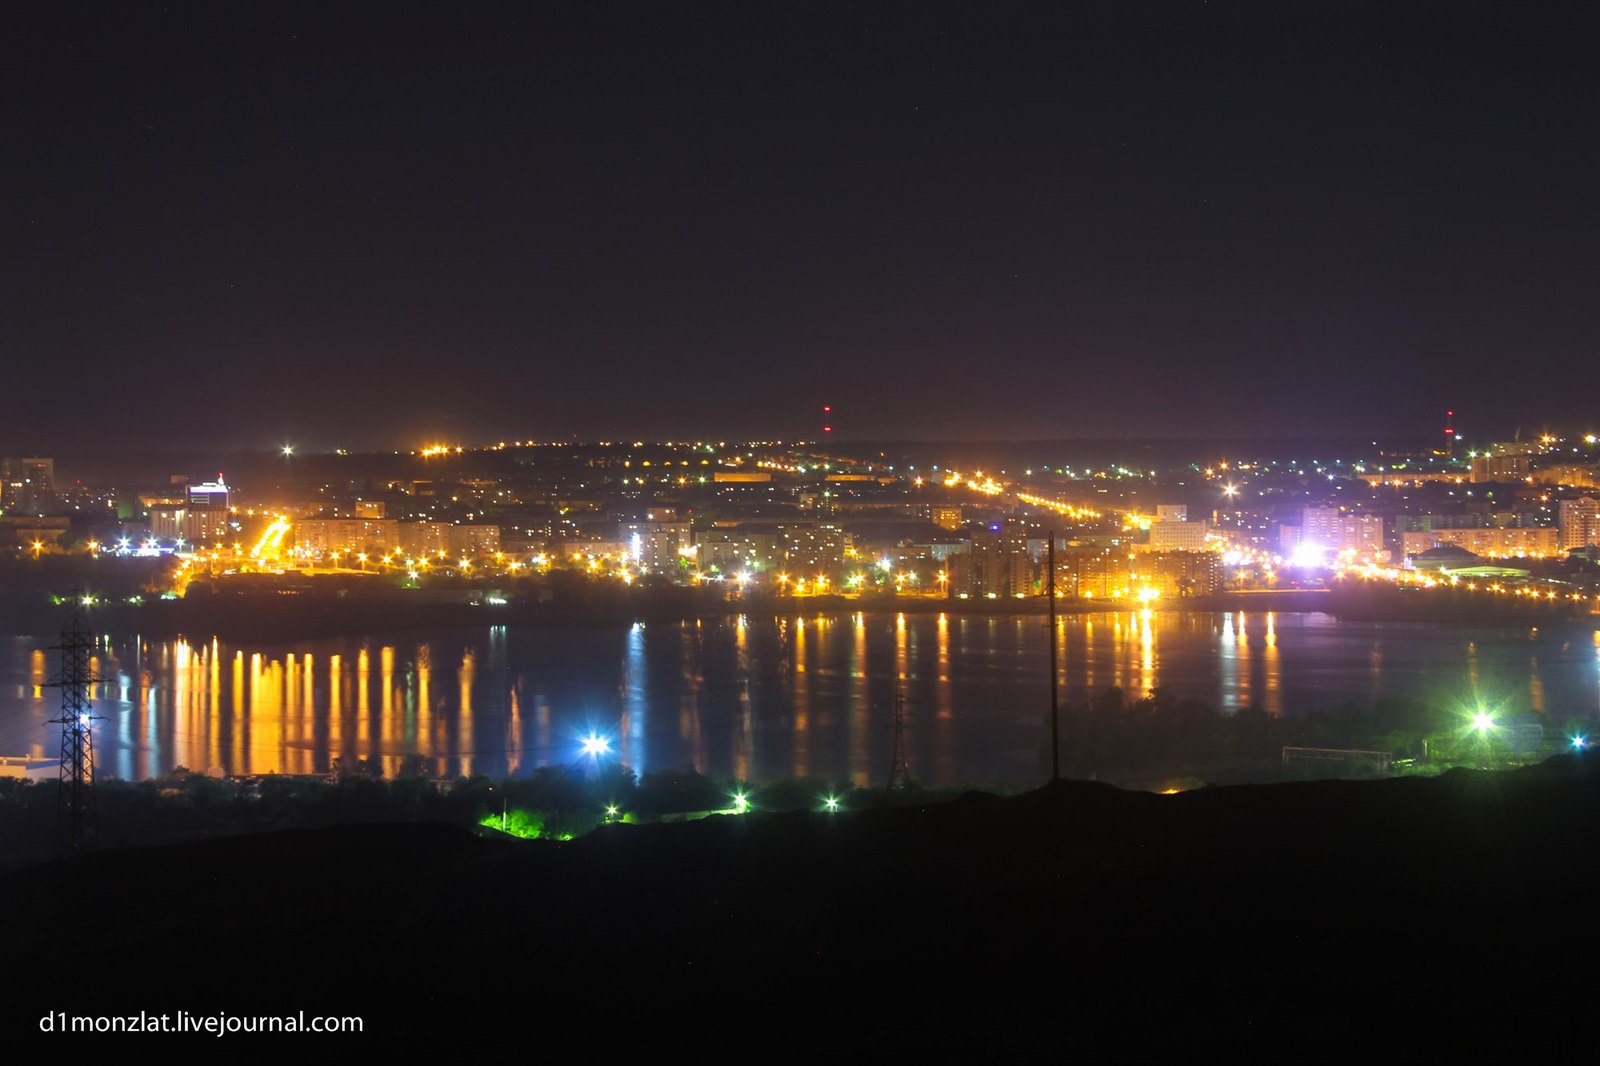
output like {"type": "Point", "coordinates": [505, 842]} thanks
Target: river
{"type": "Point", "coordinates": [754, 697]}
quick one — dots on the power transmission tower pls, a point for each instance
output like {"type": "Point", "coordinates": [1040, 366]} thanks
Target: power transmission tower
{"type": "Point", "coordinates": [1055, 698]}
{"type": "Point", "coordinates": [76, 809]}
{"type": "Point", "coordinates": [900, 771]}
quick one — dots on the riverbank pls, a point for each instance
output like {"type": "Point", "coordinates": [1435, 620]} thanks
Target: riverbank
{"type": "Point", "coordinates": [1076, 915]}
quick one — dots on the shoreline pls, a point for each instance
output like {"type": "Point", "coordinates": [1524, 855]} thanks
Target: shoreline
{"type": "Point", "coordinates": [277, 618]}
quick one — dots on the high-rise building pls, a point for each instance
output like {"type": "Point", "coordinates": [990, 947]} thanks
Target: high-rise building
{"type": "Point", "coordinates": [1579, 522]}
{"type": "Point", "coordinates": [1168, 535]}
{"type": "Point", "coordinates": [27, 484]}
{"type": "Point", "coordinates": [1178, 574]}
{"type": "Point", "coordinates": [211, 495]}
{"type": "Point", "coordinates": [1336, 532]}
{"type": "Point", "coordinates": [998, 565]}
{"type": "Point", "coordinates": [1094, 572]}
{"type": "Point", "coordinates": [655, 546]}
{"type": "Point", "coordinates": [195, 517]}
{"type": "Point", "coordinates": [754, 546]}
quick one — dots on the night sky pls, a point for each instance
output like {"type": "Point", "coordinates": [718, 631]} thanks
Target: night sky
{"type": "Point", "coordinates": [375, 225]}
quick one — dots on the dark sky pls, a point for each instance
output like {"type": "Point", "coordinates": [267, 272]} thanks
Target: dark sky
{"type": "Point", "coordinates": [375, 224]}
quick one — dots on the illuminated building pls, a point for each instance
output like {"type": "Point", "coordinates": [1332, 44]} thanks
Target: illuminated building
{"type": "Point", "coordinates": [757, 546]}
{"type": "Point", "coordinates": [1325, 533]}
{"type": "Point", "coordinates": [1580, 522]}
{"type": "Point", "coordinates": [419, 539]}
{"type": "Point", "coordinates": [1180, 574]}
{"type": "Point", "coordinates": [27, 484]}
{"type": "Point", "coordinates": [1099, 573]}
{"type": "Point", "coordinates": [209, 495]}
{"type": "Point", "coordinates": [811, 546]}
{"type": "Point", "coordinates": [1500, 467]}
{"type": "Point", "coordinates": [998, 565]}
{"type": "Point", "coordinates": [199, 516]}
{"type": "Point", "coordinates": [1177, 535]}
{"type": "Point", "coordinates": [655, 546]}
{"type": "Point", "coordinates": [469, 539]}
{"type": "Point", "coordinates": [1576, 475]}
{"type": "Point", "coordinates": [322, 536]}
{"type": "Point", "coordinates": [1492, 542]}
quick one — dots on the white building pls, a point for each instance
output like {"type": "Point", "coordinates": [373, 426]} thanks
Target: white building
{"type": "Point", "coordinates": [1580, 522]}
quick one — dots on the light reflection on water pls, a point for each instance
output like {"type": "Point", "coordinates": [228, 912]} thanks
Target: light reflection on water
{"type": "Point", "coordinates": [757, 697]}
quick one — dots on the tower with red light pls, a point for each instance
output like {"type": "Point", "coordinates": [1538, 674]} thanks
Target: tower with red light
{"type": "Point", "coordinates": [827, 421]}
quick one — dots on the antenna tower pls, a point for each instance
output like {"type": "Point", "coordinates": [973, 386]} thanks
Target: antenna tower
{"type": "Point", "coordinates": [75, 813]}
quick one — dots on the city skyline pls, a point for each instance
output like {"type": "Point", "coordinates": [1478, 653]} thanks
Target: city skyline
{"type": "Point", "coordinates": [298, 224]}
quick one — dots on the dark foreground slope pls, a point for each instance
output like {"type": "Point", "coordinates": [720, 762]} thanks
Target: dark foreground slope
{"type": "Point", "coordinates": [1401, 912]}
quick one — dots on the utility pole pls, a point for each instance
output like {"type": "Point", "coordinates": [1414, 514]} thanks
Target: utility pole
{"type": "Point", "coordinates": [1055, 695]}
{"type": "Point", "coordinates": [75, 791]}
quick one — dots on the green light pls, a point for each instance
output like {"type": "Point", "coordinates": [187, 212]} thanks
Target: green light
{"type": "Point", "coordinates": [741, 803]}
{"type": "Point", "coordinates": [831, 804]}
{"type": "Point", "coordinates": [528, 825]}
{"type": "Point", "coordinates": [1483, 722]}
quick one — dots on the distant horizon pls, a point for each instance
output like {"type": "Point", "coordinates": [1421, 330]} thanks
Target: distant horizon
{"type": "Point", "coordinates": [202, 462]}
{"type": "Point", "coordinates": [320, 443]}
{"type": "Point", "coordinates": [302, 449]}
